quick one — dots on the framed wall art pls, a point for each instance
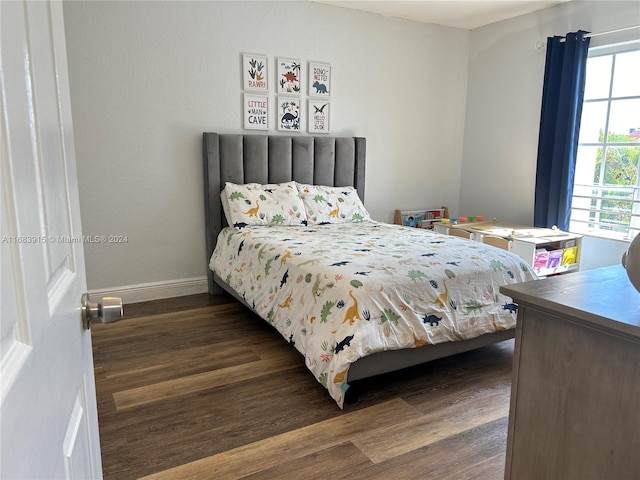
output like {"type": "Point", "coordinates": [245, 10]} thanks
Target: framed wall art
{"type": "Point", "coordinates": [255, 70]}
{"type": "Point", "coordinates": [288, 76]}
{"type": "Point", "coordinates": [319, 79]}
{"type": "Point", "coordinates": [319, 116]}
{"type": "Point", "coordinates": [289, 114]}
{"type": "Point", "coordinates": [256, 112]}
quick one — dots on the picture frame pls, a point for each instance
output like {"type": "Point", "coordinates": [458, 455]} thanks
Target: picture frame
{"type": "Point", "coordinates": [255, 70]}
{"type": "Point", "coordinates": [256, 111]}
{"type": "Point", "coordinates": [319, 79]}
{"type": "Point", "coordinates": [319, 114]}
{"type": "Point", "coordinates": [289, 114]}
{"type": "Point", "coordinates": [288, 76]}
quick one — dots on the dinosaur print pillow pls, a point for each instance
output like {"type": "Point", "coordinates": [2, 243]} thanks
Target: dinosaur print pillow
{"type": "Point", "coordinates": [325, 204]}
{"type": "Point", "coordinates": [263, 204]}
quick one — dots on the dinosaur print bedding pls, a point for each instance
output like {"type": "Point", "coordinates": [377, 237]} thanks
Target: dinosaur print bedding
{"type": "Point", "coordinates": [339, 292]}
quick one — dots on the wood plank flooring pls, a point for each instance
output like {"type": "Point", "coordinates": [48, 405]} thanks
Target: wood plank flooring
{"type": "Point", "coordinates": [198, 387]}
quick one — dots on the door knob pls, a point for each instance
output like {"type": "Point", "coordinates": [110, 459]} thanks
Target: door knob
{"type": "Point", "coordinates": [109, 310]}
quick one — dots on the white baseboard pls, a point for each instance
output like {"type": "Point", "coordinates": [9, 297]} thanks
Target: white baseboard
{"type": "Point", "coordinates": [155, 290]}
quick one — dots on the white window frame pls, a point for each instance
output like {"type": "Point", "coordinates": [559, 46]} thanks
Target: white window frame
{"type": "Point", "coordinates": [585, 217]}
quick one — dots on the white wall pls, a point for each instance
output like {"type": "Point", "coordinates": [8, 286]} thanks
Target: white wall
{"type": "Point", "coordinates": [147, 78]}
{"type": "Point", "coordinates": [506, 73]}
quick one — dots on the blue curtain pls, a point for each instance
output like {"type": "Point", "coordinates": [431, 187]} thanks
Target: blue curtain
{"type": "Point", "coordinates": [562, 95]}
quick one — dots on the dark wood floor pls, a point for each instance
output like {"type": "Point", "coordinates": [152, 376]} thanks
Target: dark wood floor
{"type": "Point", "coordinates": [198, 387]}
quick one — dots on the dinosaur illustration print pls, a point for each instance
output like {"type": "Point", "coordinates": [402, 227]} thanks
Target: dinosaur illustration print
{"type": "Point", "coordinates": [284, 278]}
{"type": "Point", "coordinates": [277, 219]}
{"type": "Point", "coordinates": [320, 87]}
{"type": "Point", "coordinates": [415, 275]}
{"type": "Point", "coordinates": [291, 340]}
{"type": "Point", "coordinates": [255, 71]}
{"type": "Point", "coordinates": [388, 316]}
{"type": "Point", "coordinates": [442, 298]}
{"type": "Point", "coordinates": [340, 377]}
{"type": "Point", "coordinates": [340, 264]}
{"type": "Point", "coordinates": [287, 302]}
{"type": "Point", "coordinates": [432, 320]}
{"type": "Point", "coordinates": [262, 252]}
{"type": "Point", "coordinates": [352, 313]}
{"type": "Point", "coordinates": [474, 306]}
{"type": "Point", "coordinates": [240, 247]}
{"type": "Point", "coordinates": [236, 196]}
{"type": "Point", "coordinates": [289, 117]}
{"type": "Point", "coordinates": [285, 257]}
{"type": "Point", "coordinates": [498, 328]}
{"type": "Point", "coordinates": [290, 77]}
{"type": "Point", "coordinates": [335, 213]}
{"type": "Point", "coordinates": [313, 261]}
{"type": "Point", "coordinates": [345, 342]}
{"type": "Point", "coordinates": [253, 212]}
{"type": "Point", "coordinates": [320, 109]}
{"type": "Point", "coordinates": [417, 341]}
{"type": "Point", "coordinates": [315, 289]}
{"type": "Point", "coordinates": [326, 311]}
{"type": "Point", "coordinates": [497, 265]}
{"type": "Point", "coordinates": [240, 224]}
{"type": "Point", "coordinates": [512, 307]}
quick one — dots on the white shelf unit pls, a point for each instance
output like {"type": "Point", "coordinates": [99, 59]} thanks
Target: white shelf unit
{"type": "Point", "coordinates": [527, 242]}
{"type": "Point", "coordinates": [425, 218]}
{"type": "Point", "coordinates": [527, 248]}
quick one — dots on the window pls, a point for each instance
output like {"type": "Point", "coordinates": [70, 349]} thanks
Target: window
{"type": "Point", "coordinates": [606, 191]}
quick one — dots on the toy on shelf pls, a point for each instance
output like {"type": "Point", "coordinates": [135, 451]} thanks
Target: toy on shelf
{"type": "Point", "coordinates": [470, 219]}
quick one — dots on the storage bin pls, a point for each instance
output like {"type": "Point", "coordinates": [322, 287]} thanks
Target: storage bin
{"type": "Point", "coordinates": [555, 257]}
{"type": "Point", "coordinates": [569, 256]}
{"type": "Point", "coordinates": [540, 259]}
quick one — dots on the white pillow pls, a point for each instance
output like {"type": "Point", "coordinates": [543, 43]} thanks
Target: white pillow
{"type": "Point", "coordinates": [268, 204]}
{"type": "Point", "coordinates": [325, 204]}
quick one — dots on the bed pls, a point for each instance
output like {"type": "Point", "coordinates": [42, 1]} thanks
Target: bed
{"type": "Point", "coordinates": [356, 297]}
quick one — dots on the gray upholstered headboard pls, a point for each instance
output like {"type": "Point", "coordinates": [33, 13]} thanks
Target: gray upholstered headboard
{"type": "Point", "coordinates": [333, 161]}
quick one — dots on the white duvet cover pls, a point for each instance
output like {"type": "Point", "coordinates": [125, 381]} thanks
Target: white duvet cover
{"type": "Point", "coordinates": [339, 292]}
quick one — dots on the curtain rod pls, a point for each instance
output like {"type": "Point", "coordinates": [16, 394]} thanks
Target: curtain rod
{"type": "Point", "coordinates": [624, 29]}
{"type": "Point", "coordinates": [540, 44]}
{"type": "Point", "coordinates": [589, 35]}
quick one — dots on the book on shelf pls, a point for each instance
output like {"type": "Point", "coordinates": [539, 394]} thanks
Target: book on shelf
{"type": "Point", "coordinates": [419, 218]}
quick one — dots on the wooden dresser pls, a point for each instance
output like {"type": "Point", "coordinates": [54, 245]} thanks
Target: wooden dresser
{"type": "Point", "coordinates": [575, 397]}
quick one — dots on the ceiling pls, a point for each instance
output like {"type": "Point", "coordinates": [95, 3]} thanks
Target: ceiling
{"type": "Point", "coordinates": [466, 14]}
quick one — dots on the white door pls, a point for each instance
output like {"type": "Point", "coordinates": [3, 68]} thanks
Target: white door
{"type": "Point", "coordinates": [48, 413]}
